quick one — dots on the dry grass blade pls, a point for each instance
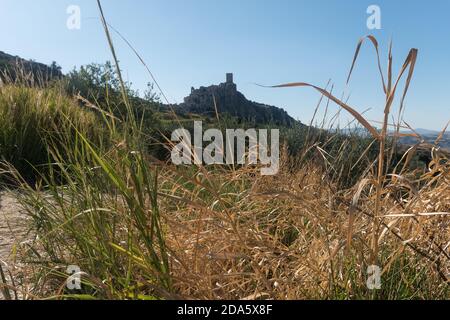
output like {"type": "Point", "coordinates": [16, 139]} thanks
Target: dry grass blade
{"type": "Point", "coordinates": [389, 75]}
{"type": "Point", "coordinates": [401, 134]}
{"type": "Point", "coordinates": [349, 109]}
{"type": "Point", "coordinates": [358, 48]}
{"type": "Point", "coordinates": [441, 135]}
{"type": "Point", "coordinates": [89, 104]}
{"type": "Point", "coordinates": [410, 62]}
{"type": "Point", "coordinates": [422, 214]}
{"type": "Point", "coordinates": [123, 90]}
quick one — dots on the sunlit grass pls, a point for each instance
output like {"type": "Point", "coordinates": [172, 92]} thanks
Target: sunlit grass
{"type": "Point", "coordinates": [140, 228]}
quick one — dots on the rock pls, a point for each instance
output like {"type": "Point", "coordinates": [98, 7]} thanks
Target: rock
{"type": "Point", "coordinates": [229, 100]}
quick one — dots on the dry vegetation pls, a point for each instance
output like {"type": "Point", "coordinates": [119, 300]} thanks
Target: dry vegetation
{"type": "Point", "coordinates": [142, 229]}
{"type": "Point", "coordinates": [295, 236]}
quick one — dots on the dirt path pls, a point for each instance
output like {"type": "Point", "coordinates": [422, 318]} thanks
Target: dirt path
{"type": "Point", "coordinates": [13, 226]}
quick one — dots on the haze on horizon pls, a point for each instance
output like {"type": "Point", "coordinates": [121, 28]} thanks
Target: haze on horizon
{"type": "Point", "coordinates": [194, 43]}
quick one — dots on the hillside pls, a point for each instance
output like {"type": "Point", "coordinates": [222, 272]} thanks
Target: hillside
{"type": "Point", "coordinates": [428, 136]}
{"type": "Point", "coordinates": [14, 67]}
{"type": "Point", "coordinates": [229, 100]}
{"type": "Point", "coordinates": [200, 103]}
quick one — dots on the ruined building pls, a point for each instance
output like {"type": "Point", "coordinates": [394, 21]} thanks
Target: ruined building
{"type": "Point", "coordinates": [230, 101]}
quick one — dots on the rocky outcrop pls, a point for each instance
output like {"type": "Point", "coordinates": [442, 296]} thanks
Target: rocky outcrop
{"type": "Point", "coordinates": [229, 100]}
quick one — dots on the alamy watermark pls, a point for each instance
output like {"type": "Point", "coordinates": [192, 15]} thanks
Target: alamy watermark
{"type": "Point", "coordinates": [73, 282]}
{"type": "Point", "coordinates": [374, 20]}
{"type": "Point", "coordinates": [74, 20]}
{"type": "Point", "coordinates": [240, 146]}
{"type": "Point", "coordinates": [373, 277]}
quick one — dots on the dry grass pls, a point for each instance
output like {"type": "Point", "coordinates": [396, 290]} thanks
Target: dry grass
{"type": "Point", "coordinates": [294, 236]}
{"type": "Point", "coordinates": [236, 234]}
{"type": "Point", "coordinates": [142, 229]}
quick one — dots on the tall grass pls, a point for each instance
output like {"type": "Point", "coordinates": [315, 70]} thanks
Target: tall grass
{"type": "Point", "coordinates": [32, 117]}
{"type": "Point", "coordinates": [389, 88]}
{"type": "Point", "coordinates": [142, 229]}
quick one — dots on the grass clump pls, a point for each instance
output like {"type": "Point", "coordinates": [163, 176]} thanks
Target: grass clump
{"type": "Point", "coordinates": [31, 119]}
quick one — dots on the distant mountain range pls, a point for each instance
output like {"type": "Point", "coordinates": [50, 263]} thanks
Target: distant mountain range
{"type": "Point", "coordinates": [423, 131]}
{"type": "Point", "coordinates": [429, 136]}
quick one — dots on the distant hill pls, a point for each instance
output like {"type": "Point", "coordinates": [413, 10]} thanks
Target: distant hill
{"type": "Point", "coordinates": [16, 68]}
{"type": "Point", "coordinates": [229, 100]}
{"type": "Point", "coordinates": [200, 102]}
{"type": "Point", "coordinates": [429, 136]}
{"type": "Point", "coordinates": [425, 132]}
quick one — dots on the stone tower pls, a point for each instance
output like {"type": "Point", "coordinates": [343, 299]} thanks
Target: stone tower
{"type": "Point", "coordinates": [229, 78]}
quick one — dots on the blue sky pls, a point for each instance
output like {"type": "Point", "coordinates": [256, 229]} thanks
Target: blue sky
{"type": "Point", "coordinates": [195, 42]}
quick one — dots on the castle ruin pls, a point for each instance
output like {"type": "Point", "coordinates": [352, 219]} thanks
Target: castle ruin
{"type": "Point", "coordinates": [225, 98]}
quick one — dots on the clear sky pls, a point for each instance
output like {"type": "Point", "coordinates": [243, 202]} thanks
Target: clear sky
{"type": "Point", "coordinates": [195, 42]}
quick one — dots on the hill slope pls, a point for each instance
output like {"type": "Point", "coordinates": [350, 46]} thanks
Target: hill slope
{"type": "Point", "coordinates": [14, 67]}
{"type": "Point", "coordinates": [228, 99]}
